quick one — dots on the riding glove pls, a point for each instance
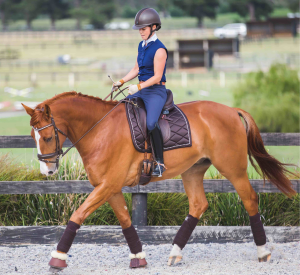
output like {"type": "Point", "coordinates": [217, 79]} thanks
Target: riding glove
{"type": "Point", "coordinates": [132, 89]}
{"type": "Point", "coordinates": [118, 84]}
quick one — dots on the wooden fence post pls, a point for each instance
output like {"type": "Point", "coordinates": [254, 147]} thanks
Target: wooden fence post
{"type": "Point", "coordinates": [139, 209]}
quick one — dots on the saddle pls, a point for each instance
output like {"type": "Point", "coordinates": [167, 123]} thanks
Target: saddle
{"type": "Point", "coordinates": [172, 121]}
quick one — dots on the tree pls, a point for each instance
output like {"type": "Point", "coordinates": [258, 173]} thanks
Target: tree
{"type": "Point", "coordinates": [164, 6]}
{"type": "Point", "coordinates": [199, 8]}
{"type": "Point", "coordinates": [77, 12]}
{"type": "Point", "coordinates": [7, 10]}
{"type": "Point", "coordinates": [56, 9]}
{"type": "Point", "coordinates": [98, 12]}
{"type": "Point", "coordinates": [255, 9]}
{"type": "Point", "coordinates": [31, 9]}
{"type": "Point", "coordinates": [271, 97]}
{"type": "Point", "coordinates": [293, 5]}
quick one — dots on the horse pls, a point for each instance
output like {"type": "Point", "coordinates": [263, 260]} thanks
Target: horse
{"type": "Point", "coordinates": [219, 138]}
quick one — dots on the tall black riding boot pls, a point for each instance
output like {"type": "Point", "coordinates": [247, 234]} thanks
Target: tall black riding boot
{"type": "Point", "coordinates": [157, 145]}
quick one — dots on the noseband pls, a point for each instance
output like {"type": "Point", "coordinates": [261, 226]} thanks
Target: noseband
{"type": "Point", "coordinates": [59, 151]}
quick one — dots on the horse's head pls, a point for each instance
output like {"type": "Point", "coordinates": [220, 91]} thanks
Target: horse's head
{"type": "Point", "coordinates": [45, 133]}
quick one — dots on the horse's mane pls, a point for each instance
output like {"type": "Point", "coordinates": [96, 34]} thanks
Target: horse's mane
{"type": "Point", "coordinates": [37, 116]}
{"type": "Point", "coordinates": [78, 95]}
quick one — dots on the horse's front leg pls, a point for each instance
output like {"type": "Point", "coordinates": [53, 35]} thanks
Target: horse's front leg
{"type": "Point", "coordinates": [102, 193]}
{"type": "Point", "coordinates": [137, 256]}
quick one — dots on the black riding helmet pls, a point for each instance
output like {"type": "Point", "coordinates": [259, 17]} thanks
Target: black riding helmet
{"type": "Point", "coordinates": [147, 17]}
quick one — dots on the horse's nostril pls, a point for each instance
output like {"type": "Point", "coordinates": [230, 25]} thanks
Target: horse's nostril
{"type": "Point", "coordinates": [50, 172]}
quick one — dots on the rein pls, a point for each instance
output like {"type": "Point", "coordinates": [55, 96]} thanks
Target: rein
{"type": "Point", "coordinates": [59, 152]}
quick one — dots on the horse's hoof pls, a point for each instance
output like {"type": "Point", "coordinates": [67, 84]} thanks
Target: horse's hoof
{"type": "Point", "coordinates": [57, 265]}
{"type": "Point", "coordinates": [54, 270]}
{"type": "Point", "coordinates": [265, 258]}
{"type": "Point", "coordinates": [173, 260]}
{"type": "Point", "coordinates": [135, 263]}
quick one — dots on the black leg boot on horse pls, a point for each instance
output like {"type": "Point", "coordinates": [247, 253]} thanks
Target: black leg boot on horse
{"type": "Point", "coordinates": [157, 149]}
{"type": "Point", "coordinates": [59, 257]}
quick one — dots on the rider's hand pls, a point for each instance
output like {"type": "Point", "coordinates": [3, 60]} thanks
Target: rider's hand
{"type": "Point", "coordinates": [118, 84]}
{"type": "Point", "coordinates": [132, 89]}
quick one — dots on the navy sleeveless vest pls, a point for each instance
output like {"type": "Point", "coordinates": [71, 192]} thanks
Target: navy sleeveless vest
{"type": "Point", "coordinates": [146, 57]}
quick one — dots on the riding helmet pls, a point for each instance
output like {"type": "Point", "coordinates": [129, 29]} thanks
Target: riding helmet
{"type": "Point", "coordinates": [147, 17]}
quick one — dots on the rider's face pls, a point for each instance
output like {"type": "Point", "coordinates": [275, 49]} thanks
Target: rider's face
{"type": "Point", "coordinates": [144, 32]}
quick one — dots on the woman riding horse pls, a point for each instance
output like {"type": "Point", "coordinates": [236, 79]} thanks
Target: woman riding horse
{"type": "Point", "coordinates": [219, 139]}
{"type": "Point", "coordinates": [150, 66]}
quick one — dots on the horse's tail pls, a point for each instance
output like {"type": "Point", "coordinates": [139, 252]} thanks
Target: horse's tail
{"type": "Point", "coordinates": [271, 168]}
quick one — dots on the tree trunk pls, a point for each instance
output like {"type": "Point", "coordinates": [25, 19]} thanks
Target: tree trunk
{"type": "Point", "coordinates": [53, 27]}
{"type": "Point", "coordinates": [200, 23]}
{"type": "Point", "coordinates": [251, 11]}
{"type": "Point", "coordinates": [2, 16]}
{"type": "Point", "coordinates": [28, 23]}
{"type": "Point", "coordinates": [78, 24]}
{"type": "Point", "coordinates": [78, 20]}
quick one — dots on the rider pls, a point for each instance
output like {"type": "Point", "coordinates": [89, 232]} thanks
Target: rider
{"type": "Point", "coordinates": [150, 67]}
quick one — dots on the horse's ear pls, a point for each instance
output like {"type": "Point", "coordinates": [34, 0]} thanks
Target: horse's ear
{"type": "Point", "coordinates": [28, 110]}
{"type": "Point", "coordinates": [47, 111]}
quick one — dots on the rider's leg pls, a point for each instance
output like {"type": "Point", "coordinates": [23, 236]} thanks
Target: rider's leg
{"type": "Point", "coordinates": [157, 145]}
{"type": "Point", "coordinates": [154, 102]}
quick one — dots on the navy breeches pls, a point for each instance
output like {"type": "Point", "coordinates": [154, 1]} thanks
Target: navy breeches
{"type": "Point", "coordinates": [154, 98]}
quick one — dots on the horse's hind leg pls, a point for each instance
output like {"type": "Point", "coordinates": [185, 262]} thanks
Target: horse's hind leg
{"type": "Point", "coordinates": [235, 170]}
{"type": "Point", "coordinates": [193, 184]}
{"type": "Point", "coordinates": [137, 256]}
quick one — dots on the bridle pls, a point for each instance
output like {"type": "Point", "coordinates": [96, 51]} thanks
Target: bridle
{"type": "Point", "coordinates": [59, 152]}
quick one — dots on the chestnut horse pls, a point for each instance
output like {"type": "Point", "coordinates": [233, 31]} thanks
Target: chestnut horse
{"type": "Point", "coordinates": [111, 162]}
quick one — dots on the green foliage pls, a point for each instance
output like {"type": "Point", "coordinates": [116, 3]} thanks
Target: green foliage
{"type": "Point", "coordinates": [177, 12]}
{"type": "Point", "coordinates": [31, 9]}
{"type": "Point", "coordinates": [272, 98]}
{"type": "Point", "coordinates": [198, 8]}
{"type": "Point", "coordinates": [9, 53]}
{"type": "Point", "coordinates": [293, 5]}
{"type": "Point", "coordinates": [255, 9]}
{"type": "Point", "coordinates": [224, 7]}
{"type": "Point", "coordinates": [56, 9]}
{"type": "Point", "coordinates": [10, 170]}
{"type": "Point", "coordinates": [129, 12]}
{"type": "Point", "coordinates": [98, 12]}
{"type": "Point", "coordinates": [8, 9]}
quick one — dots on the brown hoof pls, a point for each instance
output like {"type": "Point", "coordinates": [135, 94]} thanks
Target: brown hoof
{"type": "Point", "coordinates": [174, 260]}
{"type": "Point", "coordinates": [265, 259]}
{"type": "Point", "coordinates": [134, 263]}
{"type": "Point", "coordinates": [57, 265]}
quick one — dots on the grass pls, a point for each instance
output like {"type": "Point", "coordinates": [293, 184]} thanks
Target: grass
{"type": "Point", "coordinates": [101, 87]}
{"type": "Point", "coordinates": [163, 208]}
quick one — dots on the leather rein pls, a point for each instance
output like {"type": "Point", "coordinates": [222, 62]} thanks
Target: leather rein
{"type": "Point", "coordinates": [59, 152]}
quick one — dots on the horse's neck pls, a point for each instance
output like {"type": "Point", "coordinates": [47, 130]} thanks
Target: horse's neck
{"type": "Point", "coordinates": [80, 115]}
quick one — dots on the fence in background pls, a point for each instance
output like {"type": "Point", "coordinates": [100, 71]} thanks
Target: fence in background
{"type": "Point", "coordinates": [139, 193]}
{"type": "Point", "coordinates": [97, 35]}
{"type": "Point", "coordinates": [73, 78]}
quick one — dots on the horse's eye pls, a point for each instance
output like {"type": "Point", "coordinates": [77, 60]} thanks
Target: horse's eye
{"type": "Point", "coordinates": [48, 139]}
